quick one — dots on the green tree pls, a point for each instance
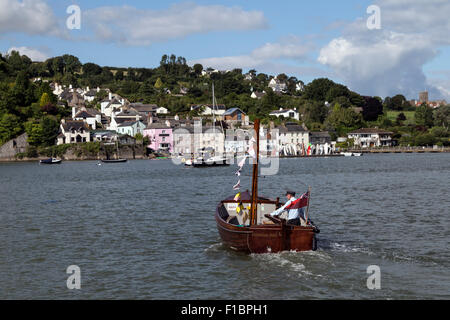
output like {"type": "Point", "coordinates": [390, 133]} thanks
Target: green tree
{"type": "Point", "coordinates": [424, 116]}
{"type": "Point", "coordinates": [10, 127]}
{"type": "Point", "coordinates": [442, 116]}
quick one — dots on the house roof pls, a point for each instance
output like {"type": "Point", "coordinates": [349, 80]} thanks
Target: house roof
{"type": "Point", "coordinates": [158, 125]}
{"type": "Point", "coordinates": [91, 93]}
{"type": "Point", "coordinates": [291, 128]}
{"type": "Point", "coordinates": [320, 134]}
{"type": "Point", "coordinates": [74, 124]}
{"type": "Point", "coordinates": [232, 110]}
{"type": "Point", "coordinates": [127, 113]}
{"type": "Point", "coordinates": [139, 107]}
{"type": "Point", "coordinates": [217, 107]}
{"type": "Point", "coordinates": [283, 111]}
{"type": "Point", "coordinates": [84, 114]}
{"type": "Point", "coordinates": [370, 130]}
{"type": "Point", "coordinates": [128, 123]}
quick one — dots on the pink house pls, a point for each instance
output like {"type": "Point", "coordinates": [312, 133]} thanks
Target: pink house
{"type": "Point", "coordinates": [160, 135]}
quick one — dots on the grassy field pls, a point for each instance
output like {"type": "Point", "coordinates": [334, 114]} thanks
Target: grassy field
{"type": "Point", "coordinates": [392, 115]}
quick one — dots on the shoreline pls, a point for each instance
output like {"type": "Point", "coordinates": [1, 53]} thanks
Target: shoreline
{"type": "Point", "coordinates": [365, 152]}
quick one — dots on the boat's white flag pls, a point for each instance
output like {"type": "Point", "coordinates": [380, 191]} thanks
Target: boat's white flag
{"type": "Point", "coordinates": [237, 186]}
{"type": "Point", "coordinates": [241, 164]}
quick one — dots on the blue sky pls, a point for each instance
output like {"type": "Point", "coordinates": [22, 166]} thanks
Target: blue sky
{"type": "Point", "coordinates": [306, 39]}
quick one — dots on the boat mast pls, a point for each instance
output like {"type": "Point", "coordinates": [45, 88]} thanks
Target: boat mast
{"type": "Point", "coordinates": [254, 205]}
{"type": "Point", "coordinates": [214, 119]}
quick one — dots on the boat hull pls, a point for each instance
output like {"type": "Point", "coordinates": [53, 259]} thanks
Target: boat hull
{"type": "Point", "coordinates": [114, 161]}
{"type": "Point", "coordinates": [50, 161]}
{"type": "Point", "coordinates": [266, 238]}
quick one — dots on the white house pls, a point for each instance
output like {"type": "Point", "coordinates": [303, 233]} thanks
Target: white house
{"type": "Point", "coordinates": [88, 115]}
{"type": "Point", "coordinates": [293, 139]}
{"type": "Point", "coordinates": [277, 85]}
{"type": "Point", "coordinates": [73, 131]}
{"type": "Point", "coordinates": [89, 95]}
{"type": "Point", "coordinates": [371, 137]}
{"type": "Point", "coordinates": [257, 95]}
{"type": "Point", "coordinates": [286, 113]}
{"type": "Point", "coordinates": [111, 104]}
{"type": "Point", "coordinates": [219, 110]}
{"type": "Point", "coordinates": [192, 140]}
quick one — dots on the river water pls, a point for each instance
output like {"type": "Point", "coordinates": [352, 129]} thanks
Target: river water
{"type": "Point", "coordinates": [146, 230]}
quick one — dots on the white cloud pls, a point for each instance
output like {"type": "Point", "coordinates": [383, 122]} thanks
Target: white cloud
{"type": "Point", "coordinates": [390, 61]}
{"type": "Point", "coordinates": [131, 26]}
{"type": "Point", "coordinates": [28, 16]}
{"type": "Point", "coordinates": [264, 57]}
{"type": "Point", "coordinates": [33, 54]}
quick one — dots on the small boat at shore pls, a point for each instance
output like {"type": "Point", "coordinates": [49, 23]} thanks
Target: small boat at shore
{"type": "Point", "coordinates": [256, 231]}
{"type": "Point", "coordinates": [117, 160]}
{"type": "Point", "coordinates": [114, 160]}
{"type": "Point", "coordinates": [50, 161]}
{"type": "Point", "coordinates": [351, 154]}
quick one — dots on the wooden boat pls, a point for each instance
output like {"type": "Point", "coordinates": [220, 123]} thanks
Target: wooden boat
{"type": "Point", "coordinates": [50, 161]}
{"type": "Point", "coordinates": [264, 233]}
{"type": "Point", "coordinates": [114, 160]}
{"type": "Point", "coordinates": [117, 160]}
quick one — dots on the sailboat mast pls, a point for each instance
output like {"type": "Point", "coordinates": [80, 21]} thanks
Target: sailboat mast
{"type": "Point", "coordinates": [254, 205]}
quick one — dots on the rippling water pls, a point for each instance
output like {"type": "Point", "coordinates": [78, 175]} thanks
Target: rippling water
{"type": "Point", "coordinates": [146, 230]}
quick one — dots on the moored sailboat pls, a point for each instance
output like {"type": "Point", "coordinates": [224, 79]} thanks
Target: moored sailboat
{"type": "Point", "coordinates": [256, 231]}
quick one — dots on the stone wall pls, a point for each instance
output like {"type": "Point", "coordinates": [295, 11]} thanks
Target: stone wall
{"type": "Point", "coordinates": [14, 146]}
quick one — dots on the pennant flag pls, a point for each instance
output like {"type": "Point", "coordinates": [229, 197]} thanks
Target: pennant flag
{"type": "Point", "coordinates": [300, 202]}
{"type": "Point", "coordinates": [237, 186]}
{"type": "Point", "coordinates": [238, 173]}
{"type": "Point", "coordinates": [241, 164]}
{"type": "Point", "coordinates": [252, 152]}
{"type": "Point", "coordinates": [237, 197]}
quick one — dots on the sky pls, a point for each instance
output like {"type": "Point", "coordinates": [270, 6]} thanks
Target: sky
{"type": "Point", "coordinates": [376, 48]}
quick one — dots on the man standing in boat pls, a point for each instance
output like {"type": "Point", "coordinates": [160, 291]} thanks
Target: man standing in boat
{"type": "Point", "coordinates": [296, 216]}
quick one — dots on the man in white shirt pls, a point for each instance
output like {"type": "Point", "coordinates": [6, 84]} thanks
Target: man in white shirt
{"type": "Point", "coordinates": [295, 216]}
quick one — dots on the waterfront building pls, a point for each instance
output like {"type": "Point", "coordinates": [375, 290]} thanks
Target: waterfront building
{"type": "Point", "coordinates": [131, 128]}
{"type": "Point", "coordinates": [321, 143]}
{"type": "Point", "coordinates": [194, 139]}
{"type": "Point", "coordinates": [160, 135]}
{"type": "Point", "coordinates": [292, 140]}
{"type": "Point", "coordinates": [73, 131]}
{"type": "Point", "coordinates": [371, 137]}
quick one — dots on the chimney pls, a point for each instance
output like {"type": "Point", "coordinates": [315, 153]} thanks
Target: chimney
{"type": "Point", "coordinates": [87, 89]}
{"type": "Point", "coordinates": [110, 96]}
{"type": "Point", "coordinates": [74, 112]}
{"type": "Point", "coordinates": [177, 117]}
{"type": "Point", "coordinates": [63, 120]}
{"type": "Point", "coordinates": [150, 118]}
{"type": "Point", "coordinates": [281, 109]}
{"type": "Point", "coordinates": [168, 123]}
{"type": "Point", "coordinates": [98, 89]}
